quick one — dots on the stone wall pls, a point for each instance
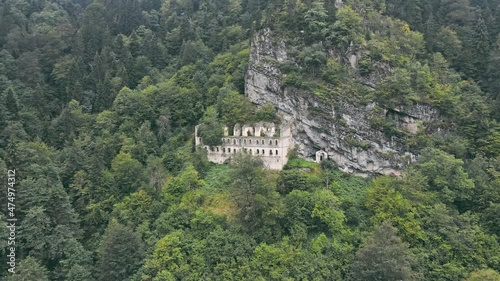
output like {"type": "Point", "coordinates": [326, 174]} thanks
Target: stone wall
{"type": "Point", "coordinates": [271, 149]}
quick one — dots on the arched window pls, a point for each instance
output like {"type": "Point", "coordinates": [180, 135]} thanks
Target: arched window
{"type": "Point", "coordinates": [251, 152]}
{"type": "Point", "coordinates": [276, 142]}
{"type": "Point", "coordinates": [250, 141]}
{"type": "Point", "coordinates": [229, 150]}
{"type": "Point", "coordinates": [234, 141]}
{"type": "Point", "coordinates": [270, 142]}
{"type": "Point", "coordinates": [276, 152]}
{"type": "Point", "coordinates": [270, 152]}
{"type": "Point", "coordinates": [223, 150]}
{"type": "Point", "coordinates": [257, 151]}
{"type": "Point", "coordinates": [245, 141]}
{"type": "Point", "coordinates": [217, 149]}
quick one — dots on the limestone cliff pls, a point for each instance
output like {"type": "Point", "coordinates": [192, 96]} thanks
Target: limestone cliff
{"type": "Point", "coordinates": [347, 131]}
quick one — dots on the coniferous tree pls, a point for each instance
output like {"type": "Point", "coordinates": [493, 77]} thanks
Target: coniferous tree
{"type": "Point", "coordinates": [29, 269]}
{"type": "Point", "coordinates": [11, 105]}
{"type": "Point", "coordinates": [120, 253]}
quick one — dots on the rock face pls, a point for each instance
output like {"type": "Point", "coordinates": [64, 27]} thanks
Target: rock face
{"type": "Point", "coordinates": [350, 133]}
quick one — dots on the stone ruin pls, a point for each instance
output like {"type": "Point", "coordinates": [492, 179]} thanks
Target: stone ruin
{"type": "Point", "coordinates": [262, 139]}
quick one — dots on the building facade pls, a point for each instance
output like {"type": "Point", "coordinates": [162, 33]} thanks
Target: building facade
{"type": "Point", "coordinates": [264, 140]}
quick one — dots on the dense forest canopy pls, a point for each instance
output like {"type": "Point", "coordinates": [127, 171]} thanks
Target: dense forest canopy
{"type": "Point", "coordinates": [98, 103]}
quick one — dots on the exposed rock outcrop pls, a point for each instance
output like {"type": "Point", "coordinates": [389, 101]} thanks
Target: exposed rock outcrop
{"type": "Point", "coordinates": [347, 131]}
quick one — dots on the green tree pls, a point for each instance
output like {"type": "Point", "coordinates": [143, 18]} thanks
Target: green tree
{"type": "Point", "coordinates": [211, 131]}
{"type": "Point", "coordinates": [446, 176]}
{"type": "Point", "coordinates": [258, 204]}
{"type": "Point", "coordinates": [347, 28]}
{"type": "Point", "coordinates": [493, 74]}
{"type": "Point", "coordinates": [316, 21]}
{"type": "Point", "coordinates": [94, 34]}
{"type": "Point", "coordinates": [233, 107]}
{"type": "Point", "coordinates": [383, 257]}
{"type": "Point", "coordinates": [11, 104]}
{"type": "Point", "coordinates": [120, 253]}
{"type": "Point", "coordinates": [29, 269]}
{"type": "Point", "coordinates": [389, 205]}
{"type": "Point", "coordinates": [484, 275]}
{"type": "Point", "coordinates": [69, 124]}
{"type": "Point", "coordinates": [266, 113]}
{"type": "Point", "coordinates": [127, 172]}
{"type": "Point", "coordinates": [77, 264]}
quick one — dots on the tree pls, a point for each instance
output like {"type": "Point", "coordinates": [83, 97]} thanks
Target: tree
{"type": "Point", "coordinates": [347, 29]}
{"type": "Point", "coordinates": [120, 253]}
{"type": "Point", "coordinates": [389, 204]}
{"type": "Point", "coordinates": [455, 244]}
{"type": "Point", "coordinates": [233, 107]}
{"type": "Point", "coordinates": [11, 105]}
{"type": "Point", "coordinates": [29, 269]}
{"type": "Point", "coordinates": [77, 264]}
{"type": "Point", "coordinates": [446, 176]}
{"type": "Point", "coordinates": [448, 43]}
{"type": "Point", "coordinates": [94, 32]}
{"type": "Point", "coordinates": [128, 173]}
{"type": "Point", "coordinates": [257, 203]}
{"type": "Point", "coordinates": [69, 124]}
{"type": "Point", "coordinates": [266, 113]}
{"type": "Point", "coordinates": [484, 275]}
{"type": "Point", "coordinates": [315, 19]}
{"type": "Point", "coordinates": [211, 131]}
{"type": "Point", "coordinates": [383, 257]}
{"type": "Point", "coordinates": [493, 73]}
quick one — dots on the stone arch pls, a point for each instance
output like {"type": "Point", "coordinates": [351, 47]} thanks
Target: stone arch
{"type": "Point", "coordinates": [247, 131]}
{"type": "Point", "coordinates": [237, 130]}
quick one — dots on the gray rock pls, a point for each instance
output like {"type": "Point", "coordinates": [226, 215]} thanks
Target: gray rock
{"type": "Point", "coordinates": [345, 130]}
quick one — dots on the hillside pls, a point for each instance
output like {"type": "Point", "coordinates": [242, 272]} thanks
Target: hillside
{"type": "Point", "coordinates": [99, 101]}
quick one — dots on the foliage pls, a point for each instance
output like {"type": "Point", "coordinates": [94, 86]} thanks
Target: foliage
{"type": "Point", "coordinates": [98, 103]}
{"type": "Point", "coordinates": [383, 257]}
{"type": "Point", "coordinates": [120, 253]}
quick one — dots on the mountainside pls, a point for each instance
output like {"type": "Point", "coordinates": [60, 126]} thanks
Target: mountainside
{"type": "Point", "coordinates": [342, 128]}
{"type": "Point", "coordinates": [99, 101]}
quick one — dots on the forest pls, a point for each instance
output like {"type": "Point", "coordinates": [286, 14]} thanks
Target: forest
{"type": "Point", "coordinates": [98, 103]}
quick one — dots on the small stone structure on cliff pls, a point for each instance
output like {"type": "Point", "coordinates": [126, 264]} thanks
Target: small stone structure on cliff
{"type": "Point", "coordinates": [261, 139]}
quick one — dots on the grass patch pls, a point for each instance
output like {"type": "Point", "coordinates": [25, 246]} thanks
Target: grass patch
{"type": "Point", "coordinates": [301, 163]}
{"type": "Point", "coordinates": [218, 178]}
{"type": "Point", "coordinates": [220, 203]}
